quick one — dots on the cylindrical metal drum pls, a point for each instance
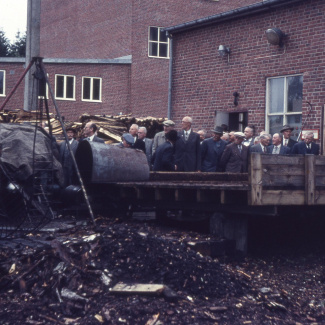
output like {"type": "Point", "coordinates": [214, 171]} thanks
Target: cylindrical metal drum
{"type": "Point", "coordinates": [103, 163]}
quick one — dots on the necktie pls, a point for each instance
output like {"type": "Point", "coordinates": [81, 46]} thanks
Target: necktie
{"type": "Point", "coordinates": [239, 148]}
{"type": "Point", "coordinates": [275, 150]}
{"type": "Point", "coordinates": [264, 149]}
{"type": "Point", "coordinates": [186, 135]}
{"type": "Point", "coordinates": [286, 142]}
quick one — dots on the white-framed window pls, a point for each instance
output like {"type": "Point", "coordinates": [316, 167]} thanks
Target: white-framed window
{"type": "Point", "coordinates": [43, 90]}
{"type": "Point", "coordinates": [284, 103]}
{"type": "Point", "coordinates": [91, 89]}
{"type": "Point", "coordinates": [158, 43]}
{"type": "Point", "coordinates": [2, 83]}
{"type": "Point", "coordinates": [65, 87]}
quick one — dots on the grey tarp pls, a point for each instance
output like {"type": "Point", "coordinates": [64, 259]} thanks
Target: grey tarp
{"type": "Point", "coordinates": [17, 146]}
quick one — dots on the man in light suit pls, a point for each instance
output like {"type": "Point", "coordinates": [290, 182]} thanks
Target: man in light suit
{"type": "Point", "coordinates": [263, 146]}
{"type": "Point", "coordinates": [277, 148]}
{"type": "Point", "coordinates": [188, 148]}
{"type": "Point", "coordinates": [90, 133]}
{"type": "Point", "coordinates": [306, 147]}
{"type": "Point", "coordinates": [143, 143]}
{"type": "Point", "coordinates": [160, 137]}
{"type": "Point", "coordinates": [287, 141]}
{"type": "Point", "coordinates": [211, 151]}
{"type": "Point", "coordinates": [66, 159]}
{"type": "Point", "coordinates": [235, 156]}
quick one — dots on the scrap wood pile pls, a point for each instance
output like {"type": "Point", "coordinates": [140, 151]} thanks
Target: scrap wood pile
{"type": "Point", "coordinates": [110, 129]}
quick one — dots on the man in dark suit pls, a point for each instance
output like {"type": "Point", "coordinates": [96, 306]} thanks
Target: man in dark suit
{"type": "Point", "coordinates": [235, 156]}
{"type": "Point", "coordinates": [286, 132]}
{"type": "Point", "coordinates": [143, 143]}
{"type": "Point", "coordinates": [188, 148]}
{"type": "Point", "coordinates": [211, 151]}
{"type": "Point", "coordinates": [277, 148]}
{"type": "Point", "coordinates": [66, 159]}
{"type": "Point", "coordinates": [90, 133]}
{"type": "Point", "coordinates": [306, 147]}
{"type": "Point", "coordinates": [163, 158]}
{"type": "Point", "coordinates": [263, 145]}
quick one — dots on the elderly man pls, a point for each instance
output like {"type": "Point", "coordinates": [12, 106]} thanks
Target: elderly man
{"type": "Point", "coordinates": [188, 148]}
{"type": "Point", "coordinates": [287, 141]}
{"type": "Point", "coordinates": [249, 139]}
{"type": "Point", "coordinates": [127, 141]}
{"type": "Point", "coordinates": [306, 147]}
{"type": "Point", "coordinates": [235, 156]}
{"type": "Point", "coordinates": [160, 137]}
{"type": "Point", "coordinates": [134, 128]}
{"type": "Point", "coordinates": [263, 145]}
{"type": "Point", "coordinates": [211, 151]}
{"type": "Point", "coordinates": [202, 134]}
{"type": "Point", "coordinates": [90, 133]}
{"type": "Point", "coordinates": [277, 148]}
{"type": "Point", "coordinates": [143, 143]}
{"type": "Point", "coordinates": [231, 137]}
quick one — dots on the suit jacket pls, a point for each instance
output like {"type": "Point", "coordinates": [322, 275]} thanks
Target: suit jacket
{"type": "Point", "coordinates": [300, 148]}
{"type": "Point", "coordinates": [284, 150]}
{"type": "Point", "coordinates": [234, 161]}
{"type": "Point", "coordinates": [146, 146]}
{"type": "Point", "coordinates": [188, 153]}
{"type": "Point", "coordinates": [258, 148]}
{"type": "Point", "coordinates": [211, 152]}
{"type": "Point", "coordinates": [67, 162]}
{"type": "Point", "coordinates": [95, 139]}
{"type": "Point", "coordinates": [291, 143]}
{"type": "Point", "coordinates": [158, 140]}
{"type": "Point", "coordinates": [163, 158]}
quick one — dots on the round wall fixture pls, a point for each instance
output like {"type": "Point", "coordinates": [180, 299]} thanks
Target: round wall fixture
{"type": "Point", "coordinates": [274, 36]}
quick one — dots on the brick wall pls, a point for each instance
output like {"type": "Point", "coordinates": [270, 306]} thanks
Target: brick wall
{"type": "Point", "coordinates": [203, 82]}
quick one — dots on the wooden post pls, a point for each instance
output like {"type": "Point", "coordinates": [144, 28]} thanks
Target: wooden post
{"type": "Point", "coordinates": [310, 179]}
{"type": "Point", "coordinates": [255, 178]}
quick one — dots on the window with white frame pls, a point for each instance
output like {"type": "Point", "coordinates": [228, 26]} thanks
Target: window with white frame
{"type": "Point", "coordinates": [91, 89]}
{"type": "Point", "coordinates": [65, 87]}
{"type": "Point", "coordinates": [2, 83]}
{"type": "Point", "coordinates": [284, 103]}
{"type": "Point", "coordinates": [158, 45]}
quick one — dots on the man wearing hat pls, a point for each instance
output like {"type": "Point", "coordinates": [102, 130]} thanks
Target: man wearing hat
{"type": "Point", "coordinates": [160, 137]}
{"type": "Point", "coordinates": [235, 156]}
{"type": "Point", "coordinates": [66, 160]}
{"type": "Point", "coordinates": [286, 132]}
{"type": "Point", "coordinates": [127, 141]}
{"type": "Point", "coordinates": [211, 151]}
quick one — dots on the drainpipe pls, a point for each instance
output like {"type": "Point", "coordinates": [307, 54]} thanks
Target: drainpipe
{"type": "Point", "coordinates": [170, 76]}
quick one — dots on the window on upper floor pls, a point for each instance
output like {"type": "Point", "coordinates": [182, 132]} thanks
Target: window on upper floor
{"type": "Point", "coordinates": [65, 87]}
{"type": "Point", "coordinates": [158, 44]}
{"type": "Point", "coordinates": [284, 103]}
{"type": "Point", "coordinates": [91, 89]}
{"type": "Point", "coordinates": [2, 83]}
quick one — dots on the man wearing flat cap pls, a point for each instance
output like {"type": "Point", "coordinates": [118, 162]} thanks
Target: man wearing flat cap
{"type": "Point", "coordinates": [127, 141]}
{"type": "Point", "coordinates": [211, 151]}
{"type": "Point", "coordinates": [286, 132]}
{"type": "Point", "coordinates": [235, 156]}
{"type": "Point", "coordinates": [160, 137]}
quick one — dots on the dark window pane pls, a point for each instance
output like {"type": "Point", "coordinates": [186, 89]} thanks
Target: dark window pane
{"type": "Point", "coordinates": [163, 37]}
{"type": "Point", "coordinates": [163, 50]}
{"type": "Point", "coordinates": [153, 34]}
{"type": "Point", "coordinates": [1, 82]}
{"type": "Point", "coordinates": [69, 90]}
{"type": "Point", "coordinates": [275, 123]}
{"type": "Point", "coordinates": [86, 88]}
{"type": "Point", "coordinates": [295, 121]}
{"type": "Point", "coordinates": [59, 86]}
{"type": "Point", "coordinates": [295, 94]}
{"type": "Point", "coordinates": [276, 95]}
{"type": "Point", "coordinates": [153, 49]}
{"type": "Point", "coordinates": [96, 89]}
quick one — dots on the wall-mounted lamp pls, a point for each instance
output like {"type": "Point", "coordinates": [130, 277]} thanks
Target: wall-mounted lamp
{"type": "Point", "coordinates": [275, 36]}
{"type": "Point", "coordinates": [223, 50]}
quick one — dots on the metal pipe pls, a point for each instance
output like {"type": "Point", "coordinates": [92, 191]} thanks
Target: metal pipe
{"type": "Point", "coordinates": [170, 77]}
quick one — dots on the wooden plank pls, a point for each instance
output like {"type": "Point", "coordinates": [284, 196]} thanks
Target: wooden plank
{"type": "Point", "coordinates": [275, 170]}
{"type": "Point", "coordinates": [320, 161]}
{"type": "Point", "coordinates": [320, 197]}
{"type": "Point", "coordinates": [309, 179]}
{"type": "Point", "coordinates": [320, 180]}
{"type": "Point", "coordinates": [282, 159]}
{"type": "Point", "coordinates": [283, 180]}
{"type": "Point", "coordinates": [283, 197]}
{"type": "Point", "coordinates": [255, 178]}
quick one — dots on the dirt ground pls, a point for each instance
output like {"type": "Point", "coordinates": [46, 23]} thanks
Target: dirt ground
{"type": "Point", "coordinates": [66, 275]}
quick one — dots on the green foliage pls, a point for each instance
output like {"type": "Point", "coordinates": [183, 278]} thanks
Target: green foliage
{"type": "Point", "coordinates": [17, 49]}
{"type": "Point", "coordinates": [4, 45]}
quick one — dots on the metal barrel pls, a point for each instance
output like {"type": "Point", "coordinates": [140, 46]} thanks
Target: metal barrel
{"type": "Point", "coordinates": [102, 163]}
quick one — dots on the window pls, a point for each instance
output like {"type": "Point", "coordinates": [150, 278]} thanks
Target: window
{"type": "Point", "coordinates": [284, 103]}
{"type": "Point", "coordinates": [91, 89]}
{"type": "Point", "coordinates": [2, 83]}
{"type": "Point", "coordinates": [158, 43]}
{"type": "Point", "coordinates": [65, 87]}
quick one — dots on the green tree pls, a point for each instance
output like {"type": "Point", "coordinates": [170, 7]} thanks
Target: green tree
{"type": "Point", "coordinates": [4, 45]}
{"type": "Point", "coordinates": [18, 48]}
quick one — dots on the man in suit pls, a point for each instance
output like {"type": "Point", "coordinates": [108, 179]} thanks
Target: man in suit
{"type": "Point", "coordinates": [66, 159]}
{"type": "Point", "coordinates": [160, 137]}
{"type": "Point", "coordinates": [134, 128]}
{"type": "Point", "coordinates": [90, 133]}
{"type": "Point", "coordinates": [202, 134]}
{"type": "Point", "coordinates": [163, 159]}
{"type": "Point", "coordinates": [306, 147]}
{"type": "Point", "coordinates": [143, 143]}
{"type": "Point", "coordinates": [277, 148]}
{"type": "Point", "coordinates": [211, 151]}
{"type": "Point", "coordinates": [235, 156]}
{"type": "Point", "coordinates": [249, 139]}
{"type": "Point", "coordinates": [286, 132]}
{"type": "Point", "coordinates": [188, 148]}
{"type": "Point", "coordinates": [263, 145]}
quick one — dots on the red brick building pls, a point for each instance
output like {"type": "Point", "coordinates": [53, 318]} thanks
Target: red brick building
{"type": "Point", "coordinates": [275, 84]}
